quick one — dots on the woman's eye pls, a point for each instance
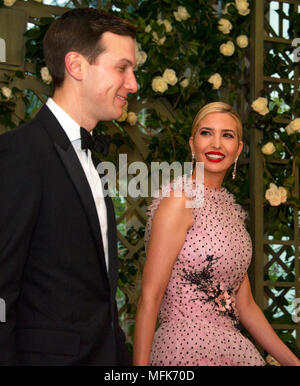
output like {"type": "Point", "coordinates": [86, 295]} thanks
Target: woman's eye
{"type": "Point", "coordinates": [204, 132]}
{"type": "Point", "coordinates": [228, 135]}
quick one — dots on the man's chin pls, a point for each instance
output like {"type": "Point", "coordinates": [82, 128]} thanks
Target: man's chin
{"type": "Point", "coordinates": [117, 116]}
{"type": "Point", "coordinates": [111, 117]}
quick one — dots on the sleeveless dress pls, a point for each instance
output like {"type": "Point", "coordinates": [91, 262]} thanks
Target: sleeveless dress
{"type": "Point", "coordinates": [198, 320]}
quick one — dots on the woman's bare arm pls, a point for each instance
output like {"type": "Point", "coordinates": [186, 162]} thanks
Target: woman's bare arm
{"type": "Point", "coordinates": [170, 224]}
{"type": "Point", "coordinates": [252, 317]}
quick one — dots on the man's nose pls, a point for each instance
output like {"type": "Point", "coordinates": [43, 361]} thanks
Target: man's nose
{"type": "Point", "coordinates": [131, 83]}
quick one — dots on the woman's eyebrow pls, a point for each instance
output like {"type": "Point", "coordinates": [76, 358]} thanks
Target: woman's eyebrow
{"type": "Point", "coordinates": [228, 130]}
{"type": "Point", "coordinates": [212, 129]}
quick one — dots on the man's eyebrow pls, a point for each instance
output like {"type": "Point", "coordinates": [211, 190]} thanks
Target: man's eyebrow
{"type": "Point", "coordinates": [127, 61]}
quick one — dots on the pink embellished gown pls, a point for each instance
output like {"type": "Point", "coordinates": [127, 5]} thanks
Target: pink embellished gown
{"type": "Point", "coordinates": [198, 320]}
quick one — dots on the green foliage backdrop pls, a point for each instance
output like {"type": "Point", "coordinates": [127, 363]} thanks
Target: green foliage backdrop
{"type": "Point", "coordinates": [182, 65]}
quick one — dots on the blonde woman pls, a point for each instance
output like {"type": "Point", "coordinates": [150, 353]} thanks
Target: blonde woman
{"type": "Point", "coordinates": [195, 275]}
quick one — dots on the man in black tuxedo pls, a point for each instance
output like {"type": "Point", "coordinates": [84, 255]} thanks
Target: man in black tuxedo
{"type": "Point", "coordinates": [58, 244]}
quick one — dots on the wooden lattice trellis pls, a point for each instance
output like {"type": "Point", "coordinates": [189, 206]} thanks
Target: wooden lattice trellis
{"type": "Point", "coordinates": [270, 254]}
{"type": "Point", "coordinates": [14, 22]}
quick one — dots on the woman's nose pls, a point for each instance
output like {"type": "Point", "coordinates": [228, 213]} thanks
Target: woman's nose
{"type": "Point", "coordinates": [216, 141]}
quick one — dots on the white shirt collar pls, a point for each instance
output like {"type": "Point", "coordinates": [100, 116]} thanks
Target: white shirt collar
{"type": "Point", "coordinates": [71, 127]}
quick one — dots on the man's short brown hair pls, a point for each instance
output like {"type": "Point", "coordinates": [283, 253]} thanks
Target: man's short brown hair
{"type": "Point", "coordinates": [79, 30]}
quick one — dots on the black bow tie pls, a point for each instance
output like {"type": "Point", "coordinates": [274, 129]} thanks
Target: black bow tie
{"type": "Point", "coordinates": [99, 143]}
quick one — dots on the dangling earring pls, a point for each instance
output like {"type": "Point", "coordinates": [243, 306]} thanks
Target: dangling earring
{"type": "Point", "coordinates": [234, 169]}
{"type": "Point", "coordinates": [193, 162]}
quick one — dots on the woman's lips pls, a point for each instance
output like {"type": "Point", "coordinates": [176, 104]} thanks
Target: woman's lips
{"type": "Point", "coordinates": [214, 156]}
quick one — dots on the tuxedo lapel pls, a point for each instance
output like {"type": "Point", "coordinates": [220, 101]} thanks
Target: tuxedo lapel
{"type": "Point", "coordinates": [112, 242]}
{"type": "Point", "coordinates": [111, 234]}
{"type": "Point", "coordinates": [73, 167]}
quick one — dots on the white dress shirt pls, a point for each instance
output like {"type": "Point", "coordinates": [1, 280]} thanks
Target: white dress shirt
{"type": "Point", "coordinates": [72, 130]}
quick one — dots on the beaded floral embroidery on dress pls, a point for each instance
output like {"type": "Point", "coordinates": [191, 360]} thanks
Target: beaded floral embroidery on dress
{"type": "Point", "coordinates": [212, 292]}
{"type": "Point", "coordinates": [198, 318]}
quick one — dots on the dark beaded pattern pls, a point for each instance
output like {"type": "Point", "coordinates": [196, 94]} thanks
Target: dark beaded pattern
{"type": "Point", "coordinates": [198, 320]}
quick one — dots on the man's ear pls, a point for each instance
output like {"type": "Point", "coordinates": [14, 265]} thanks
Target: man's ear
{"type": "Point", "coordinates": [74, 64]}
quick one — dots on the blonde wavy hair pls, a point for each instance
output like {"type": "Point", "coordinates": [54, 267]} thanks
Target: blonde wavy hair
{"type": "Point", "coordinates": [217, 107]}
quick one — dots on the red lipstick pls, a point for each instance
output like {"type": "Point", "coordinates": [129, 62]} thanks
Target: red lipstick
{"type": "Point", "coordinates": [214, 156]}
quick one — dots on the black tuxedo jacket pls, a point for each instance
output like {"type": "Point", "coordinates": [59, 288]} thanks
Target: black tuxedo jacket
{"type": "Point", "coordinates": [60, 299]}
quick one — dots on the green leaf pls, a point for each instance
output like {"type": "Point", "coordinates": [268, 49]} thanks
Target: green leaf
{"type": "Point", "coordinates": [46, 20]}
{"type": "Point", "coordinates": [295, 201]}
{"type": "Point", "coordinates": [181, 140]}
{"type": "Point", "coordinates": [33, 33]}
{"type": "Point", "coordinates": [289, 182]}
{"type": "Point", "coordinates": [20, 74]}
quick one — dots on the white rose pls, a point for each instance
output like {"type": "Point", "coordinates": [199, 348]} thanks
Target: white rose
{"type": "Point", "coordinates": [227, 49]}
{"type": "Point", "coordinates": [273, 195]}
{"type": "Point", "coordinates": [140, 55]}
{"type": "Point", "coordinates": [181, 14]}
{"type": "Point", "coordinates": [289, 130]}
{"type": "Point", "coordinates": [6, 92]}
{"type": "Point", "coordinates": [141, 58]}
{"type": "Point", "coordinates": [45, 75]}
{"type": "Point", "coordinates": [159, 41]}
{"type": "Point", "coordinates": [184, 83]}
{"type": "Point", "coordinates": [170, 77]}
{"type": "Point", "coordinates": [260, 105]}
{"type": "Point", "coordinates": [159, 84]}
{"type": "Point", "coordinates": [215, 80]}
{"type": "Point", "coordinates": [283, 194]}
{"type": "Point", "coordinates": [167, 24]}
{"type": "Point", "coordinates": [224, 26]}
{"type": "Point", "coordinates": [243, 7]}
{"type": "Point", "coordinates": [225, 10]}
{"type": "Point", "coordinates": [132, 118]}
{"type": "Point", "coordinates": [9, 3]}
{"type": "Point", "coordinates": [294, 126]}
{"type": "Point", "coordinates": [242, 41]}
{"type": "Point", "coordinates": [148, 28]}
{"type": "Point", "coordinates": [123, 117]}
{"type": "Point", "coordinates": [137, 46]}
{"type": "Point", "coordinates": [268, 148]}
